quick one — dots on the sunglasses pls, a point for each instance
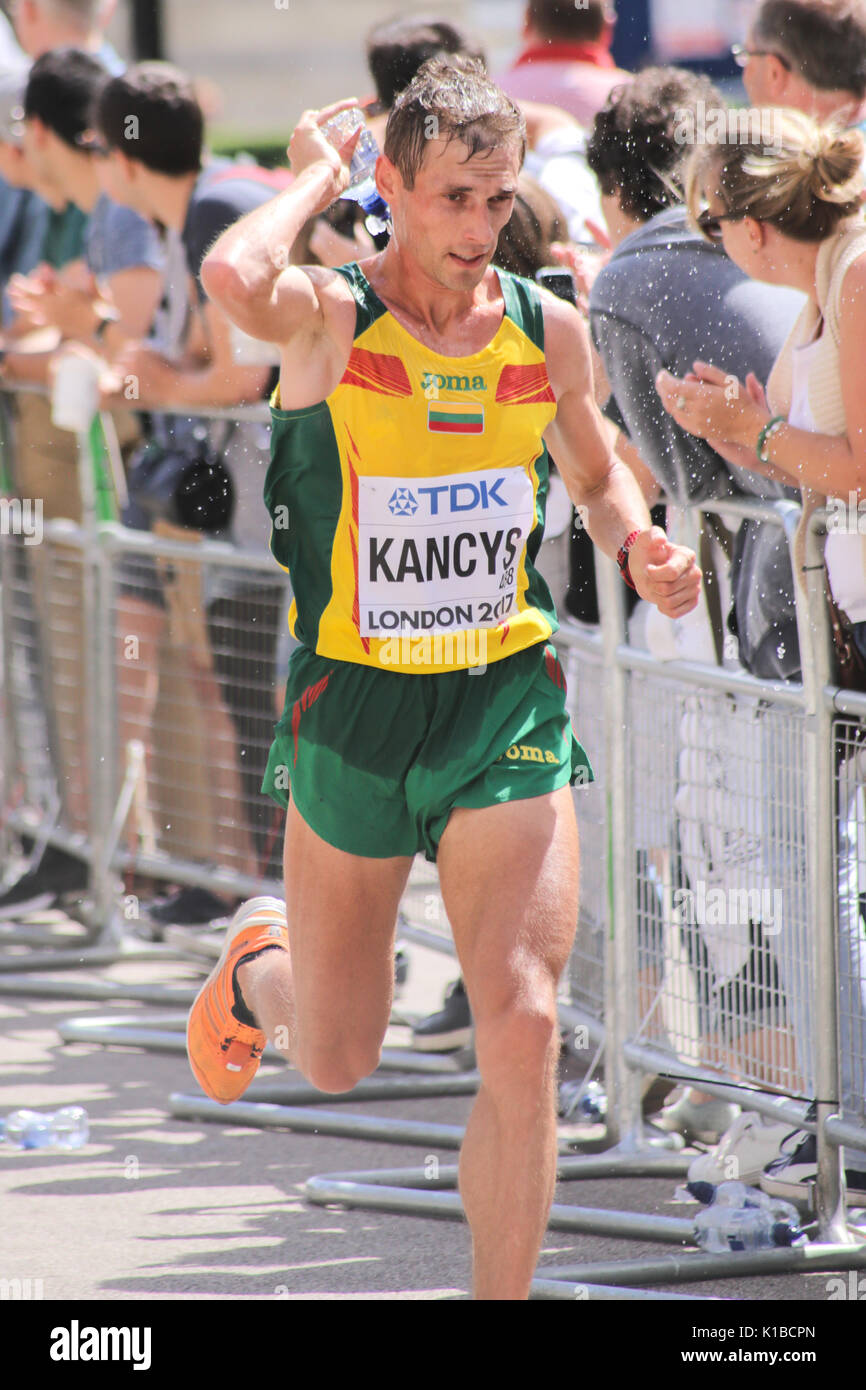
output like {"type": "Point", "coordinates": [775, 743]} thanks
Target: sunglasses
{"type": "Point", "coordinates": [91, 144]}
{"type": "Point", "coordinates": [741, 55]}
{"type": "Point", "coordinates": [709, 224]}
{"type": "Point", "coordinates": [13, 128]}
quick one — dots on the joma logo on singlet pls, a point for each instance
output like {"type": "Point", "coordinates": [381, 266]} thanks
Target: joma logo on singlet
{"type": "Point", "coordinates": [435, 381]}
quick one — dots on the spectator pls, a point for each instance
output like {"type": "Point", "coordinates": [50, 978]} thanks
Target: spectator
{"type": "Point", "coordinates": [566, 60]}
{"type": "Point", "coordinates": [122, 261]}
{"type": "Point", "coordinates": [122, 254]}
{"type": "Point", "coordinates": [165, 177]}
{"type": "Point", "coordinates": [640, 163]}
{"type": "Point", "coordinates": [810, 55]}
{"type": "Point", "coordinates": [11, 57]}
{"type": "Point", "coordinates": [23, 212]}
{"type": "Point", "coordinates": [666, 297]}
{"type": "Point", "coordinates": [42, 25]}
{"type": "Point", "coordinates": [526, 241]}
{"type": "Point", "coordinates": [792, 216]}
{"type": "Point", "coordinates": [17, 200]}
{"type": "Point", "coordinates": [51, 232]}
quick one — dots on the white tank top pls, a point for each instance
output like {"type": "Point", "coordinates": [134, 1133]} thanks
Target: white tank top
{"type": "Point", "coordinates": [845, 551]}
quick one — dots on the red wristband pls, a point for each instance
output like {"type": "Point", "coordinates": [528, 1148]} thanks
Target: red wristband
{"type": "Point", "coordinates": [622, 558]}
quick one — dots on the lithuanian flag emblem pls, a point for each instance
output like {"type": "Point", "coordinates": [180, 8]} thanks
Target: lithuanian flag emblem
{"type": "Point", "coordinates": [455, 417]}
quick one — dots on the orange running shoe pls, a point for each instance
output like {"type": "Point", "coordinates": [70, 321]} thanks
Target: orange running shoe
{"type": "Point", "coordinates": [224, 1052]}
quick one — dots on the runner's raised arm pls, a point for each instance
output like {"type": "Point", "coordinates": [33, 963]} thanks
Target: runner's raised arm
{"type": "Point", "coordinates": [247, 272]}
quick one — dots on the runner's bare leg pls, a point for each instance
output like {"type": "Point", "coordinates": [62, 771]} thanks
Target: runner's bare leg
{"type": "Point", "coordinates": [326, 1004]}
{"type": "Point", "coordinates": [509, 878]}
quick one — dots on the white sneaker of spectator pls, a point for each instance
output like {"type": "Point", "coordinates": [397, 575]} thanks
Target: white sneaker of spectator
{"type": "Point", "coordinates": [743, 1151]}
{"type": "Point", "coordinates": [705, 1120]}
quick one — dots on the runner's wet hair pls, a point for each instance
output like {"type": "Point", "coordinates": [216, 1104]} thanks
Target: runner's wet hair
{"type": "Point", "coordinates": [450, 99]}
{"type": "Point", "coordinates": [804, 186]}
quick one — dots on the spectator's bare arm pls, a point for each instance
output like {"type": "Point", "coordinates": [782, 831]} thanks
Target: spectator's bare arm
{"type": "Point", "coordinates": [77, 305]}
{"type": "Point", "coordinates": [207, 376]}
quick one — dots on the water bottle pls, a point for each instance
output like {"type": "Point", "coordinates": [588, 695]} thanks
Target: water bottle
{"type": "Point", "coordinates": [362, 184]}
{"type": "Point", "coordinates": [719, 1229]}
{"type": "Point", "coordinates": [737, 1196]}
{"type": "Point", "coordinates": [71, 1128]}
{"type": "Point", "coordinates": [66, 1128]}
{"type": "Point", "coordinates": [592, 1105]}
{"type": "Point", "coordinates": [728, 1194]}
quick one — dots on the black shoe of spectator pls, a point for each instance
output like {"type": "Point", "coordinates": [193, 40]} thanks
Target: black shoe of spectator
{"type": "Point", "coordinates": [189, 907]}
{"type": "Point", "coordinates": [794, 1174]}
{"type": "Point", "coordinates": [56, 873]}
{"type": "Point", "coordinates": [448, 1030]}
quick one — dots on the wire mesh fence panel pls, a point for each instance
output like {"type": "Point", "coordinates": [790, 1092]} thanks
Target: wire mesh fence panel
{"type": "Point", "coordinates": [582, 984]}
{"type": "Point", "coordinates": [193, 652]}
{"type": "Point", "coordinates": [720, 855]}
{"type": "Point", "coordinates": [46, 678]}
{"type": "Point", "coordinates": [850, 801]}
{"type": "Point", "coordinates": [422, 909]}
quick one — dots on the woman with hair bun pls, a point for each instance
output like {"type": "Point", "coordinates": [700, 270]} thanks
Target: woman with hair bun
{"type": "Point", "coordinates": [793, 215]}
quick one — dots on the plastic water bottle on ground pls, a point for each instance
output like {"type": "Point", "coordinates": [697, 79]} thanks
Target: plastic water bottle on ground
{"type": "Point", "coordinates": [719, 1229]}
{"type": "Point", "coordinates": [592, 1105]}
{"type": "Point", "coordinates": [362, 184]}
{"type": "Point", "coordinates": [728, 1194]}
{"type": "Point", "coordinates": [737, 1195]}
{"type": "Point", "coordinates": [66, 1128]}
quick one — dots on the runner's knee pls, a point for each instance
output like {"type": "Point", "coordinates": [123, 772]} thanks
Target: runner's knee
{"type": "Point", "coordinates": [335, 1071]}
{"type": "Point", "coordinates": [515, 1043]}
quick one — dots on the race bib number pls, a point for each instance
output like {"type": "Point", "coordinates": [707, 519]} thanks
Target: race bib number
{"type": "Point", "coordinates": [441, 554]}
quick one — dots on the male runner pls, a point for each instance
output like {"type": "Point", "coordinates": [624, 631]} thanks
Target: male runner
{"type": "Point", "coordinates": [408, 479]}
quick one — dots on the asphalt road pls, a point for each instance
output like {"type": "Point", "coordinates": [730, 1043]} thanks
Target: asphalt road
{"type": "Point", "coordinates": [161, 1208]}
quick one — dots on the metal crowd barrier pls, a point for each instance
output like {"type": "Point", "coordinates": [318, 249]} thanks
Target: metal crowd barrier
{"type": "Point", "coordinates": [719, 874]}
{"type": "Point", "coordinates": [733, 780]}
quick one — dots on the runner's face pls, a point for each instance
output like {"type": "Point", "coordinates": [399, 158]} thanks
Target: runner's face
{"type": "Point", "coordinates": [460, 203]}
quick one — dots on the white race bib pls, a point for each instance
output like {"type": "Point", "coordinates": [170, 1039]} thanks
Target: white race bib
{"type": "Point", "coordinates": [441, 554]}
